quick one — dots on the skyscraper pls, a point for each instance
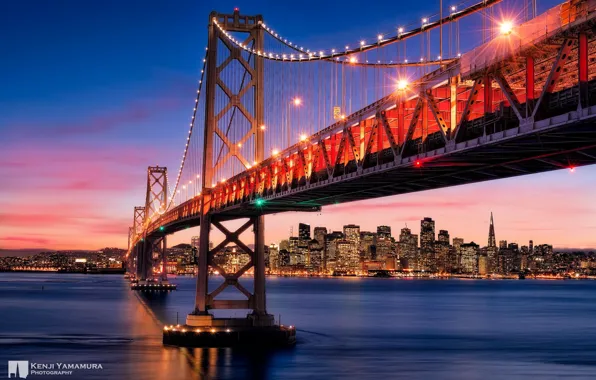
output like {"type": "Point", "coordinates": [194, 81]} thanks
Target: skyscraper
{"type": "Point", "coordinates": [443, 236]}
{"type": "Point", "coordinates": [492, 241]}
{"type": "Point", "coordinates": [304, 231]}
{"type": "Point", "coordinates": [319, 235]}
{"type": "Point", "coordinates": [408, 249]}
{"type": "Point", "coordinates": [457, 243]}
{"type": "Point", "coordinates": [348, 259]}
{"type": "Point", "coordinates": [384, 232]}
{"type": "Point", "coordinates": [427, 241]}
{"type": "Point", "coordinates": [492, 252]}
{"type": "Point", "coordinates": [352, 233]}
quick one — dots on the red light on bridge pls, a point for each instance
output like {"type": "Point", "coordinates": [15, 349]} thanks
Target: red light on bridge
{"type": "Point", "coordinates": [418, 163]}
{"type": "Point", "coordinates": [236, 9]}
{"type": "Point", "coordinates": [572, 169]}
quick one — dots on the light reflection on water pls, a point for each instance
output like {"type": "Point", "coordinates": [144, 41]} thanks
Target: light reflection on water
{"type": "Point", "coordinates": [347, 328]}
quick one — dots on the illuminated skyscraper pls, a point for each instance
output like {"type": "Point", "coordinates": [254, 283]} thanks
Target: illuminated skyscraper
{"type": "Point", "coordinates": [408, 249]}
{"type": "Point", "coordinates": [457, 243]}
{"type": "Point", "coordinates": [304, 231]}
{"type": "Point", "coordinates": [319, 235]}
{"type": "Point", "coordinates": [492, 252]}
{"type": "Point", "coordinates": [492, 241]}
{"type": "Point", "coordinates": [384, 232]}
{"type": "Point", "coordinates": [427, 241]}
{"type": "Point", "coordinates": [352, 233]}
{"type": "Point", "coordinates": [348, 259]}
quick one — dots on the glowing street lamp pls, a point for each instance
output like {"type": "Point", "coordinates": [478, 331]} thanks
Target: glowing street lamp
{"type": "Point", "coordinates": [402, 84]}
{"type": "Point", "coordinates": [506, 28]}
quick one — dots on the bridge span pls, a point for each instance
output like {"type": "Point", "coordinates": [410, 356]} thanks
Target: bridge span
{"type": "Point", "coordinates": [523, 102]}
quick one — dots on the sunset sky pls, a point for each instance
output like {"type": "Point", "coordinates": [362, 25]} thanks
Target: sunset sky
{"type": "Point", "coordinates": [93, 92]}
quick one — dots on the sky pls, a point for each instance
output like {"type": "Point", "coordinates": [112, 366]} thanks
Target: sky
{"type": "Point", "coordinates": [93, 92]}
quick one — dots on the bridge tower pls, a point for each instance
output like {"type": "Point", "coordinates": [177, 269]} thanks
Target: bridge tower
{"type": "Point", "coordinates": [137, 228]}
{"type": "Point", "coordinates": [155, 205]}
{"type": "Point", "coordinates": [223, 56]}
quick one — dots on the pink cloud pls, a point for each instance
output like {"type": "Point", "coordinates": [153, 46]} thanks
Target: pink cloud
{"type": "Point", "coordinates": [26, 240]}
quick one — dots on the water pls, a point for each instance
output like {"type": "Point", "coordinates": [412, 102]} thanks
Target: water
{"type": "Point", "coordinates": [347, 328]}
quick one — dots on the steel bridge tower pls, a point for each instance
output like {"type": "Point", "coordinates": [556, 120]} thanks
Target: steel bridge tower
{"type": "Point", "coordinates": [217, 61]}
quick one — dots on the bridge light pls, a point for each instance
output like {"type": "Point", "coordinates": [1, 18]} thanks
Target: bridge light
{"type": "Point", "coordinates": [262, 127]}
{"type": "Point", "coordinates": [506, 28]}
{"type": "Point", "coordinates": [418, 163]}
{"type": "Point", "coordinates": [239, 145]}
{"type": "Point", "coordinates": [453, 8]}
{"type": "Point", "coordinates": [260, 202]}
{"type": "Point", "coordinates": [424, 20]}
{"type": "Point", "coordinates": [353, 60]}
{"type": "Point", "coordinates": [400, 30]}
{"type": "Point", "coordinates": [275, 152]}
{"type": "Point", "coordinates": [380, 37]}
{"type": "Point", "coordinates": [303, 137]}
{"type": "Point", "coordinates": [161, 228]}
{"type": "Point", "coordinates": [297, 101]}
{"type": "Point", "coordinates": [572, 169]}
{"type": "Point", "coordinates": [362, 43]}
{"type": "Point", "coordinates": [402, 84]}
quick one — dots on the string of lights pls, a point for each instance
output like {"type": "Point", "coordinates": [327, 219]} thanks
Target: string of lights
{"type": "Point", "coordinates": [381, 40]}
{"type": "Point", "coordinates": [190, 130]}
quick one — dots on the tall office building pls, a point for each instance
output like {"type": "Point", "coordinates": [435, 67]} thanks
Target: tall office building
{"type": "Point", "coordinates": [469, 258]}
{"type": "Point", "coordinates": [304, 231]}
{"type": "Point", "coordinates": [384, 232]}
{"type": "Point", "coordinates": [492, 252]}
{"type": "Point", "coordinates": [348, 259]}
{"type": "Point", "coordinates": [352, 233]}
{"type": "Point", "coordinates": [315, 255]}
{"type": "Point", "coordinates": [319, 235]}
{"type": "Point", "coordinates": [492, 241]}
{"type": "Point", "coordinates": [502, 244]}
{"type": "Point", "coordinates": [457, 243]}
{"type": "Point", "coordinates": [274, 257]}
{"type": "Point", "coordinates": [408, 249]}
{"type": "Point", "coordinates": [427, 241]}
{"type": "Point", "coordinates": [331, 249]}
{"type": "Point", "coordinates": [443, 237]}
{"type": "Point", "coordinates": [368, 241]}
{"type": "Point", "coordinates": [442, 249]}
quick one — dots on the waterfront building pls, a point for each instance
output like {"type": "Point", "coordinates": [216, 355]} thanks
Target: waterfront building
{"type": "Point", "coordinates": [348, 259]}
{"type": "Point", "coordinates": [469, 258]}
{"type": "Point", "coordinates": [427, 240]}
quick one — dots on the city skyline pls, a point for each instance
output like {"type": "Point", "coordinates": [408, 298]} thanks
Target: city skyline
{"type": "Point", "coordinates": [96, 152]}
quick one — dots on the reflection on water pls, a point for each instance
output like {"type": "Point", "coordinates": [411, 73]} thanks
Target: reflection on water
{"type": "Point", "coordinates": [347, 328]}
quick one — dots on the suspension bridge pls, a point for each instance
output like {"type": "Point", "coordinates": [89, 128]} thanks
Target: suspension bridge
{"type": "Point", "coordinates": [279, 127]}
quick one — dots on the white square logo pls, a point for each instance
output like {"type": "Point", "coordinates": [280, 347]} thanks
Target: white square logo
{"type": "Point", "coordinates": [18, 369]}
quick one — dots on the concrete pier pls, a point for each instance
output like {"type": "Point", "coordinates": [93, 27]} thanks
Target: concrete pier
{"type": "Point", "coordinates": [230, 332]}
{"type": "Point", "coordinates": [152, 286]}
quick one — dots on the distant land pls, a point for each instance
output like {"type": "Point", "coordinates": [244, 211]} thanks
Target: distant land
{"type": "Point", "coordinates": [24, 252]}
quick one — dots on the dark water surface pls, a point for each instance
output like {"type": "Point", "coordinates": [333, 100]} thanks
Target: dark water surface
{"type": "Point", "coordinates": [347, 328]}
